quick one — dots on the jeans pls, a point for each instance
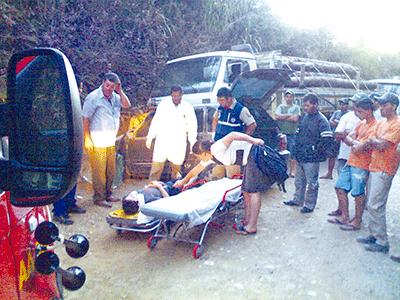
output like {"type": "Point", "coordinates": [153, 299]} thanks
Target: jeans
{"type": "Point", "coordinates": [60, 207]}
{"type": "Point", "coordinates": [306, 184]}
{"type": "Point", "coordinates": [379, 184]}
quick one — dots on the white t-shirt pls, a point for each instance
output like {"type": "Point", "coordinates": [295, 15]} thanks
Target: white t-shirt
{"type": "Point", "coordinates": [227, 156]}
{"type": "Point", "coordinates": [347, 123]}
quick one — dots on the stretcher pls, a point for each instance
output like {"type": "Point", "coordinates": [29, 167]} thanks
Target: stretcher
{"type": "Point", "coordinates": [120, 221]}
{"type": "Point", "coordinates": [205, 205]}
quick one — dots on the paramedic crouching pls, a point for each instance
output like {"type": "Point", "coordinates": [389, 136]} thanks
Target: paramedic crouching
{"type": "Point", "coordinates": [254, 182]}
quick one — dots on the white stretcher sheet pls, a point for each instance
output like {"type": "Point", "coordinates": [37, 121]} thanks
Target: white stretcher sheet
{"type": "Point", "coordinates": [196, 205]}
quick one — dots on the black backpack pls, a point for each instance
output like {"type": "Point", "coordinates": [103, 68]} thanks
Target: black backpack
{"type": "Point", "coordinates": [272, 165]}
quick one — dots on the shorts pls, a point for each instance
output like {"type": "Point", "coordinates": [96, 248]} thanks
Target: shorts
{"type": "Point", "coordinates": [291, 139]}
{"type": "Point", "coordinates": [353, 180]}
{"type": "Point", "coordinates": [254, 180]}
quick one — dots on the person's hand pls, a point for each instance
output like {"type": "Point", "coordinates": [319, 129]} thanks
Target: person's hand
{"type": "Point", "coordinates": [148, 143]}
{"type": "Point", "coordinates": [178, 184]}
{"type": "Point", "coordinates": [118, 88]}
{"type": "Point", "coordinates": [88, 144]}
{"type": "Point", "coordinates": [258, 142]}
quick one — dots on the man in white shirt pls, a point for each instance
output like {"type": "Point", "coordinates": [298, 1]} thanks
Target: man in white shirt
{"type": "Point", "coordinates": [173, 124]}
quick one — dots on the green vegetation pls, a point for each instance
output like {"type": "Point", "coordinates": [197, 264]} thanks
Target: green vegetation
{"type": "Point", "coordinates": [135, 38]}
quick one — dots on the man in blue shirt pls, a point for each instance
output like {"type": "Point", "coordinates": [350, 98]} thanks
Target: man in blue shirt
{"type": "Point", "coordinates": [101, 112]}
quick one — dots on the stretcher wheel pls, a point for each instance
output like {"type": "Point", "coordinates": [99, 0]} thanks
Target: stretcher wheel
{"type": "Point", "coordinates": [152, 242]}
{"type": "Point", "coordinates": [119, 231]}
{"type": "Point", "coordinates": [197, 251]}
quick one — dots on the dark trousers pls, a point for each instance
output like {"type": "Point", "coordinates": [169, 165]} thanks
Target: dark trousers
{"type": "Point", "coordinates": [60, 207]}
{"type": "Point", "coordinates": [102, 162]}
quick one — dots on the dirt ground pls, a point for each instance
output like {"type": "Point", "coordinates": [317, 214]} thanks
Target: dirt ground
{"type": "Point", "coordinates": [292, 256]}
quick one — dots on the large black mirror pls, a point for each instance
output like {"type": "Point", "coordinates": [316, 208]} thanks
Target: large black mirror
{"type": "Point", "coordinates": [44, 127]}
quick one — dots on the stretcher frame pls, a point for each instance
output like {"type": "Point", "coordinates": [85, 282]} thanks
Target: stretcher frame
{"type": "Point", "coordinates": [164, 230]}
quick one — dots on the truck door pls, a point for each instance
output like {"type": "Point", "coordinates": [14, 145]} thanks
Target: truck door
{"type": "Point", "coordinates": [8, 279]}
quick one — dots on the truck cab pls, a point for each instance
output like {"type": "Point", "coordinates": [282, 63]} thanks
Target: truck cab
{"type": "Point", "coordinates": [40, 156]}
{"type": "Point", "coordinates": [202, 75]}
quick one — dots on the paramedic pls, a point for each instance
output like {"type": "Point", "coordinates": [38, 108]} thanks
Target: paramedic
{"type": "Point", "coordinates": [231, 116]}
{"type": "Point", "coordinates": [173, 124]}
{"type": "Point", "coordinates": [101, 112]}
{"type": "Point", "coordinates": [254, 182]}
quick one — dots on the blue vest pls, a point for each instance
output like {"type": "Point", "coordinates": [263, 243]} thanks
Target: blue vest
{"type": "Point", "coordinates": [229, 121]}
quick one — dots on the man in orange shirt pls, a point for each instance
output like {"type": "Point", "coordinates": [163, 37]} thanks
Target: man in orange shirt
{"type": "Point", "coordinates": [383, 167]}
{"type": "Point", "coordinates": [354, 175]}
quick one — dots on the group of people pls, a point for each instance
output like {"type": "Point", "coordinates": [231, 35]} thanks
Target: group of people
{"type": "Point", "coordinates": [366, 147]}
{"type": "Point", "coordinates": [364, 142]}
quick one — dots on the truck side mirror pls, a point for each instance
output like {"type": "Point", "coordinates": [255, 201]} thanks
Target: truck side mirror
{"type": "Point", "coordinates": [42, 120]}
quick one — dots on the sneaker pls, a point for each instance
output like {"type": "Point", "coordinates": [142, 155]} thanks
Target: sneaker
{"type": "Point", "coordinates": [377, 248]}
{"type": "Point", "coordinates": [366, 240]}
{"type": "Point", "coordinates": [75, 209]}
{"type": "Point", "coordinates": [306, 210]}
{"type": "Point", "coordinates": [291, 203]}
{"type": "Point", "coordinates": [65, 220]}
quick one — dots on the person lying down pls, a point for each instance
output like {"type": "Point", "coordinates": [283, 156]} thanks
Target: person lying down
{"type": "Point", "coordinates": [156, 190]}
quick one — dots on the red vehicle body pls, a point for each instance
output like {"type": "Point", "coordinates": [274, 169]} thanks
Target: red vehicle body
{"type": "Point", "coordinates": [17, 247]}
{"type": "Point", "coordinates": [23, 199]}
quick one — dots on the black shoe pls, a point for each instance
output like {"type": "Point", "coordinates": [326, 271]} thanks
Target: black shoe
{"type": "Point", "coordinates": [306, 210]}
{"type": "Point", "coordinates": [395, 258]}
{"type": "Point", "coordinates": [366, 240]}
{"type": "Point", "coordinates": [377, 248]}
{"type": "Point", "coordinates": [291, 203]}
{"type": "Point", "coordinates": [75, 209]}
{"type": "Point", "coordinates": [65, 220]}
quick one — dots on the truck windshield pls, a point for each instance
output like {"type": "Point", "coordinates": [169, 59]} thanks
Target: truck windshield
{"type": "Point", "coordinates": [197, 75]}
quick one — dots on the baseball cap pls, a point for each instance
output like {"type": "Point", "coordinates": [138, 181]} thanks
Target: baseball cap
{"type": "Point", "coordinates": [344, 100]}
{"type": "Point", "coordinates": [388, 98]}
{"type": "Point", "coordinates": [374, 95]}
{"type": "Point", "coordinates": [290, 92]}
{"type": "Point", "coordinates": [359, 96]}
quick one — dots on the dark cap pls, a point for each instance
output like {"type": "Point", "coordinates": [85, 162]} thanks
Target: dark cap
{"type": "Point", "coordinates": [344, 100]}
{"type": "Point", "coordinates": [374, 96]}
{"type": "Point", "coordinates": [359, 96]}
{"type": "Point", "coordinates": [388, 98]}
{"type": "Point", "coordinates": [290, 92]}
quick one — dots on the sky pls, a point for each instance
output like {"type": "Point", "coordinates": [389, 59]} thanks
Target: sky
{"type": "Point", "coordinates": [374, 23]}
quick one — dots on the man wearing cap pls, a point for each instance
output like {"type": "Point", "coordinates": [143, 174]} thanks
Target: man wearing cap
{"type": "Point", "coordinates": [354, 175]}
{"type": "Point", "coordinates": [231, 116]}
{"type": "Point", "coordinates": [313, 138]}
{"type": "Point", "coordinates": [334, 121]}
{"type": "Point", "coordinates": [287, 115]}
{"type": "Point", "coordinates": [383, 166]}
{"type": "Point", "coordinates": [377, 111]}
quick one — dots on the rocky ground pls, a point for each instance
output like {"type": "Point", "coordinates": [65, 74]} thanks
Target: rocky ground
{"type": "Point", "coordinates": [293, 256]}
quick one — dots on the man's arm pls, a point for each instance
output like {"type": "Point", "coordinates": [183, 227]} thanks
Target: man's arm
{"type": "Point", "coordinates": [159, 186]}
{"type": "Point", "coordinates": [251, 128]}
{"type": "Point", "coordinates": [279, 115]}
{"type": "Point", "coordinates": [88, 143]}
{"type": "Point", "coordinates": [125, 103]}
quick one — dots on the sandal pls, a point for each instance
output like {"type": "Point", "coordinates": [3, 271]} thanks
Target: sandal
{"type": "Point", "coordinates": [336, 221]}
{"type": "Point", "coordinates": [350, 227]}
{"type": "Point", "coordinates": [335, 213]}
{"type": "Point", "coordinates": [243, 231]}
